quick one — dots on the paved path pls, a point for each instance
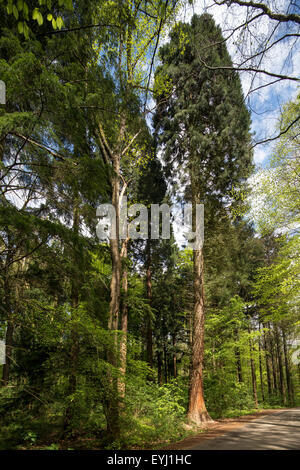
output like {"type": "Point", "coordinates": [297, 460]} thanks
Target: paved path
{"type": "Point", "coordinates": [276, 431]}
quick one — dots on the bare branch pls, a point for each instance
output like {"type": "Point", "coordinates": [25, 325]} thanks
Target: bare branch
{"type": "Point", "coordinates": [283, 18]}
{"type": "Point", "coordinates": [277, 136]}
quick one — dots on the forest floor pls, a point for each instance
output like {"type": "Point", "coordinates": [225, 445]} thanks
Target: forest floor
{"type": "Point", "coordinates": [266, 429]}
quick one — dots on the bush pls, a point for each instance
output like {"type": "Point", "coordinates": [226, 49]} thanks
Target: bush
{"type": "Point", "coordinates": [222, 396]}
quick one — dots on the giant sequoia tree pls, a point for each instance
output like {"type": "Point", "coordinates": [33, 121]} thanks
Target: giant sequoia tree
{"type": "Point", "coordinates": [203, 125]}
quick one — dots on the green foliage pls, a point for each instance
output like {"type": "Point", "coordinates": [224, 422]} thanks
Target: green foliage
{"type": "Point", "coordinates": [224, 396]}
{"type": "Point", "coordinates": [55, 277]}
{"type": "Point", "coordinates": [154, 413]}
{"type": "Point", "coordinates": [24, 12]}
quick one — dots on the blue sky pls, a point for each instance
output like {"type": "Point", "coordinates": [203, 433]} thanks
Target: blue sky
{"type": "Point", "coordinates": [283, 58]}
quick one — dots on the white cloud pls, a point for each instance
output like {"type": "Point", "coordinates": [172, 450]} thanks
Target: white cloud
{"type": "Point", "coordinates": [260, 155]}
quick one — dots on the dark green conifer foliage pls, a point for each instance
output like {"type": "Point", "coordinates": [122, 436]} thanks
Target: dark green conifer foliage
{"type": "Point", "coordinates": [202, 120]}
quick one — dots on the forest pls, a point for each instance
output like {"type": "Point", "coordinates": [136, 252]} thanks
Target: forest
{"type": "Point", "coordinates": [135, 342]}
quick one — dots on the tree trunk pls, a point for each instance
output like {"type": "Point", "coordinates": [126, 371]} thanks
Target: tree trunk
{"type": "Point", "coordinates": [197, 413]}
{"type": "Point", "coordinates": [260, 368]}
{"type": "Point", "coordinates": [9, 329]}
{"type": "Point", "coordinates": [287, 369]}
{"type": "Point", "coordinates": [165, 363]}
{"type": "Point", "coordinates": [149, 343]}
{"type": "Point", "coordinates": [271, 344]}
{"type": "Point", "coordinates": [112, 401]}
{"type": "Point", "coordinates": [268, 366]}
{"type": "Point", "coordinates": [253, 373]}
{"type": "Point", "coordinates": [238, 362]}
{"type": "Point", "coordinates": [124, 322]}
{"type": "Point", "coordinates": [114, 307]}
{"type": "Point", "coordinates": [280, 366]}
{"type": "Point", "coordinates": [74, 350]}
{"type": "Point", "coordinates": [174, 357]}
{"type": "Point", "coordinates": [8, 353]}
{"type": "Point", "coordinates": [159, 368]}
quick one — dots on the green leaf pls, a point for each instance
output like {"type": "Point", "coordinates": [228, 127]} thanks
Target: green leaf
{"type": "Point", "coordinates": [49, 17]}
{"type": "Point", "coordinates": [20, 5]}
{"type": "Point", "coordinates": [26, 31]}
{"type": "Point", "coordinates": [35, 13]}
{"type": "Point", "coordinates": [59, 22]}
{"type": "Point", "coordinates": [20, 27]}
{"type": "Point", "coordinates": [54, 26]}
{"type": "Point", "coordinates": [15, 12]}
{"type": "Point", "coordinates": [40, 19]}
{"type": "Point", "coordinates": [25, 11]}
{"type": "Point", "coordinates": [9, 9]}
{"type": "Point", "coordinates": [68, 4]}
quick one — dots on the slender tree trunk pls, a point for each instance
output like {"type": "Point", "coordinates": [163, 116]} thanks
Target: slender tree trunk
{"type": "Point", "coordinates": [10, 321]}
{"type": "Point", "coordinates": [114, 307]}
{"type": "Point", "coordinates": [112, 401]}
{"type": "Point", "coordinates": [272, 354]}
{"type": "Point", "coordinates": [165, 363]}
{"type": "Point", "coordinates": [268, 366]}
{"type": "Point", "coordinates": [213, 356]}
{"type": "Point", "coordinates": [159, 368]}
{"type": "Point", "coordinates": [8, 353]}
{"type": "Point", "coordinates": [287, 369]}
{"type": "Point", "coordinates": [174, 357]}
{"type": "Point", "coordinates": [260, 368]}
{"type": "Point", "coordinates": [253, 373]}
{"type": "Point", "coordinates": [124, 322]}
{"type": "Point", "coordinates": [149, 297]}
{"type": "Point", "coordinates": [238, 362]}
{"type": "Point", "coordinates": [74, 350]}
{"type": "Point", "coordinates": [280, 366]}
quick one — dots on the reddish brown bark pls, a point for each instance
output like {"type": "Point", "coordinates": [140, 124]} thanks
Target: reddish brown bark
{"type": "Point", "coordinates": [197, 412]}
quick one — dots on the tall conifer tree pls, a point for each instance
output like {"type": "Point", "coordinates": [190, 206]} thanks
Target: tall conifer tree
{"type": "Point", "coordinates": [203, 125]}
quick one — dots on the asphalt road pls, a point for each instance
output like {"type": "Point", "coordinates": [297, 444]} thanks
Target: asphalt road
{"type": "Point", "coordinates": [278, 431]}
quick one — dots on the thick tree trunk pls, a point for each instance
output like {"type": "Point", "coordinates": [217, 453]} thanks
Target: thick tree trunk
{"type": "Point", "coordinates": [197, 413]}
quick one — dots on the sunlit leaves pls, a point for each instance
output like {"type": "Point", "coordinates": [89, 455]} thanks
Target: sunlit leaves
{"type": "Point", "coordinates": [43, 9]}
